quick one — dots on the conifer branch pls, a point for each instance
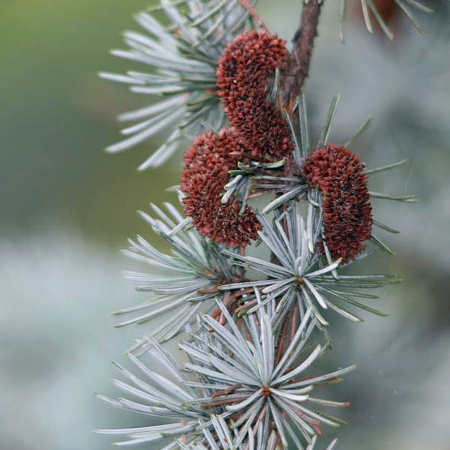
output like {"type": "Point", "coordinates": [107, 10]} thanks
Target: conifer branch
{"type": "Point", "coordinates": [248, 337]}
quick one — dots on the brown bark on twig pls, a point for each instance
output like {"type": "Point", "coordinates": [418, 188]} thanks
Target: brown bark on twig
{"type": "Point", "coordinates": [302, 52]}
{"type": "Point", "coordinates": [249, 7]}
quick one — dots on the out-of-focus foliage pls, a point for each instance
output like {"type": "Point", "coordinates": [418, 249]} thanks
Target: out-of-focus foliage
{"type": "Point", "coordinates": [56, 293]}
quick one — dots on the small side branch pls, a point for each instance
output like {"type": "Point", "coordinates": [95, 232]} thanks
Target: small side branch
{"type": "Point", "coordinates": [252, 11]}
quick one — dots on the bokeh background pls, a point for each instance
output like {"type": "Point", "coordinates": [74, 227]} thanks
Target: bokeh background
{"type": "Point", "coordinates": [67, 208]}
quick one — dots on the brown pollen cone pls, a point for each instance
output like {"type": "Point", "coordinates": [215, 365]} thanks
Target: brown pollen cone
{"type": "Point", "coordinates": [207, 163]}
{"type": "Point", "coordinates": [347, 209]}
{"type": "Point", "coordinates": [242, 81]}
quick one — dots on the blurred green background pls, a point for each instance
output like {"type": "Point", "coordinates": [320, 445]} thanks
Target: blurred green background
{"type": "Point", "coordinates": [56, 116]}
{"type": "Point", "coordinates": [67, 207]}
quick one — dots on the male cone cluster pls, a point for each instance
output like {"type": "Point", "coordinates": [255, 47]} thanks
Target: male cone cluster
{"type": "Point", "coordinates": [259, 132]}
